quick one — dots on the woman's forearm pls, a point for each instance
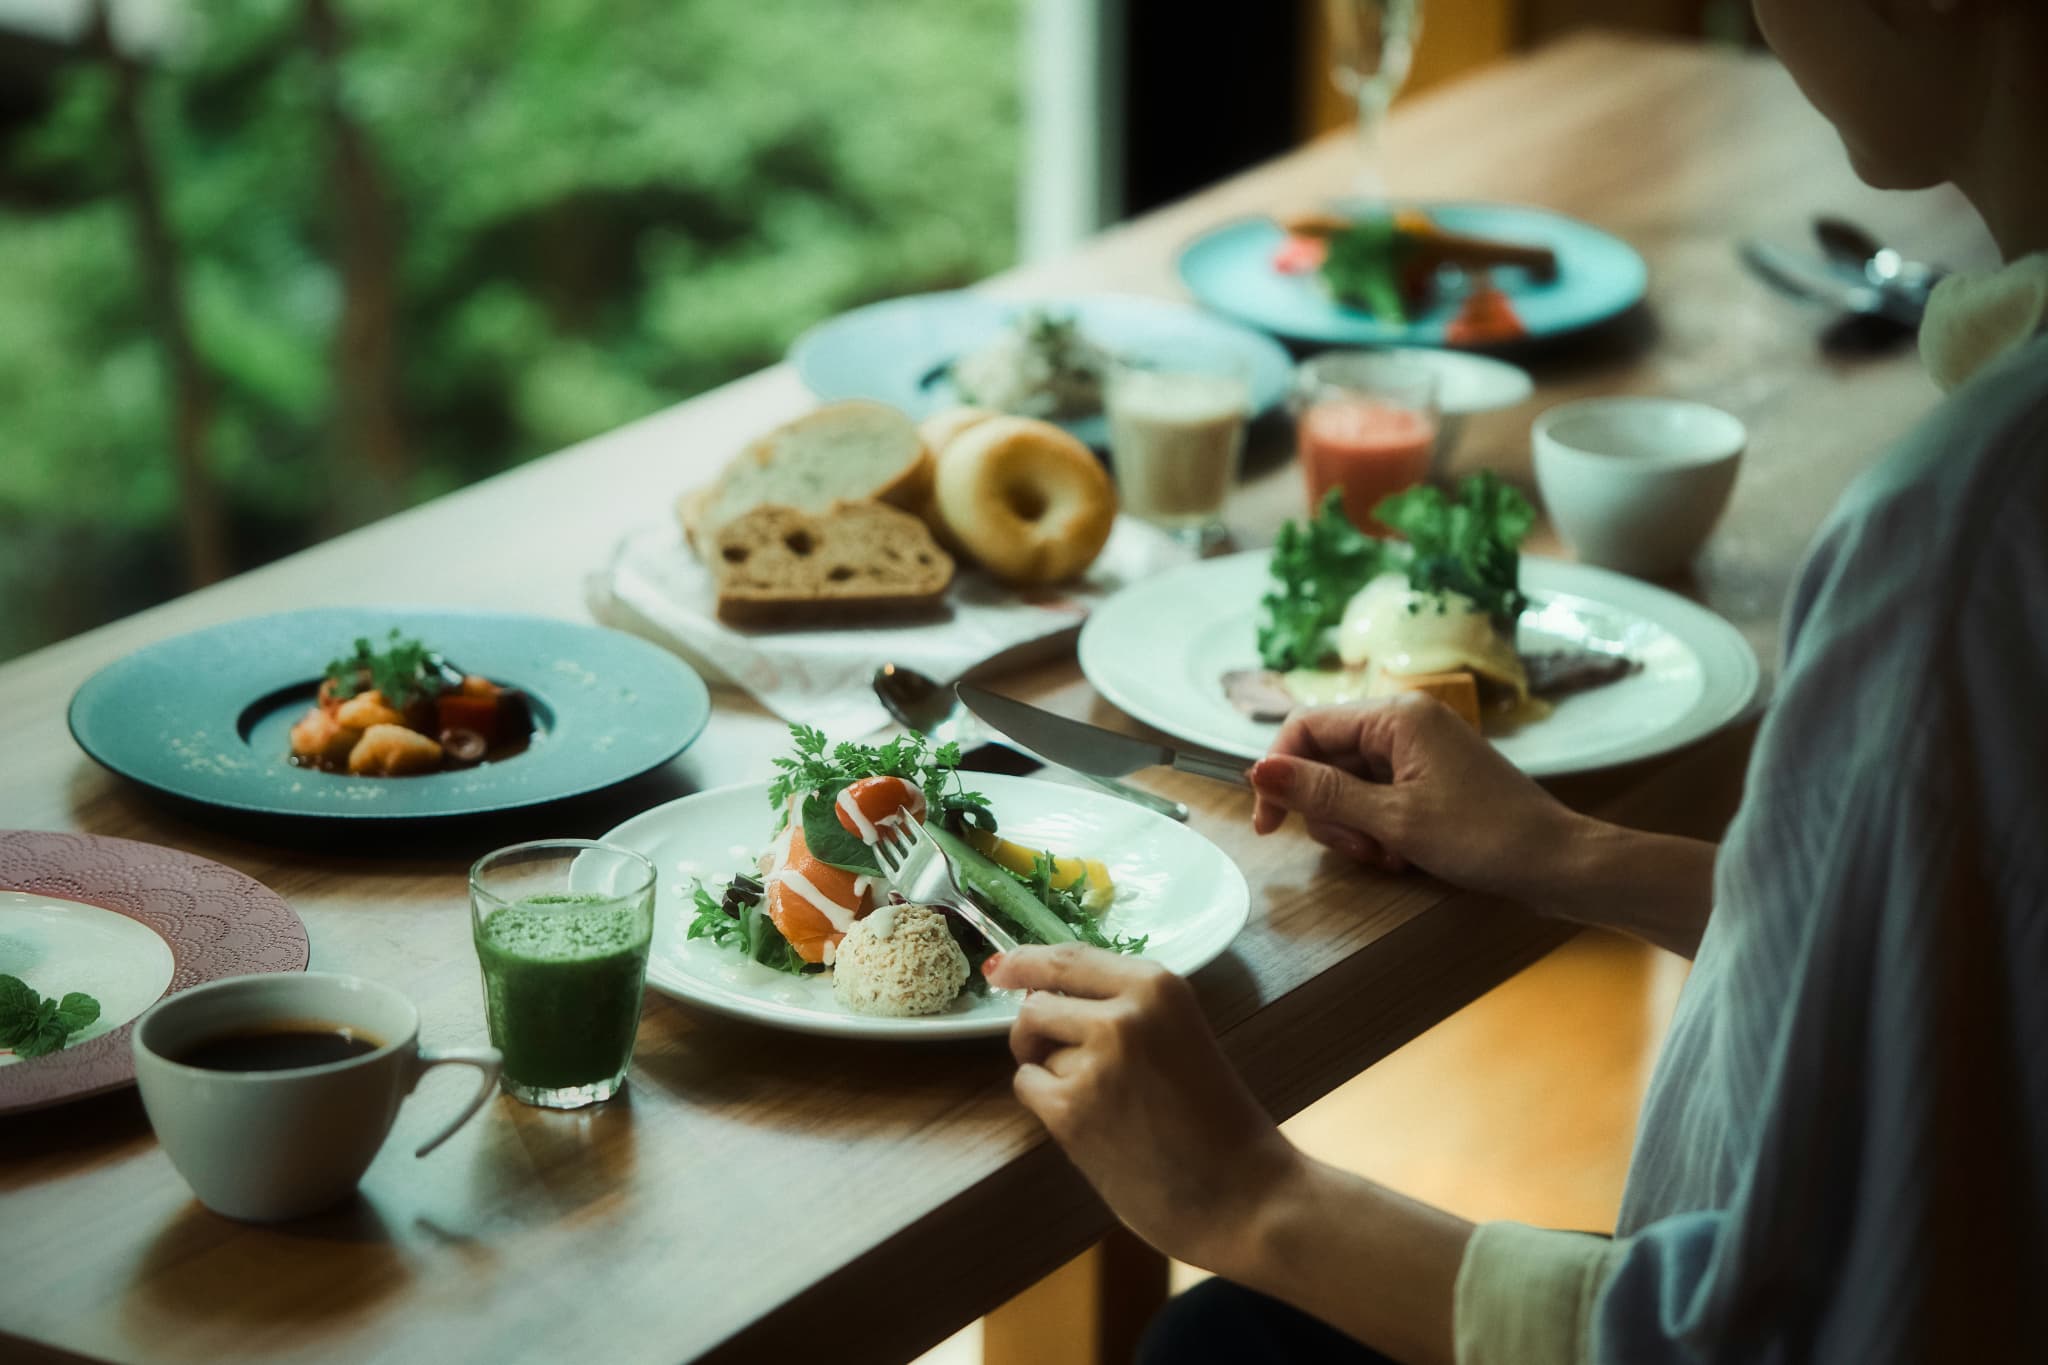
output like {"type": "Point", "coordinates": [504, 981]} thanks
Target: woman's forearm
{"type": "Point", "coordinates": [1364, 1259]}
{"type": "Point", "coordinates": [1658, 887]}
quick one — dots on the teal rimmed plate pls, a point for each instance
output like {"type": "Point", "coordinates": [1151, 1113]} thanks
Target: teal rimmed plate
{"type": "Point", "coordinates": [206, 716]}
{"type": "Point", "coordinates": [1599, 276]}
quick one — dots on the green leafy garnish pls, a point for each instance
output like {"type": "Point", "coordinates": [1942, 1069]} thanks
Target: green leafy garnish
{"type": "Point", "coordinates": [402, 670]}
{"type": "Point", "coordinates": [751, 932]}
{"type": "Point", "coordinates": [1364, 264]}
{"type": "Point", "coordinates": [818, 763]}
{"type": "Point", "coordinates": [1067, 905]}
{"type": "Point", "coordinates": [1466, 544]}
{"type": "Point", "coordinates": [1317, 566]}
{"type": "Point", "coordinates": [827, 839]}
{"type": "Point", "coordinates": [34, 1025]}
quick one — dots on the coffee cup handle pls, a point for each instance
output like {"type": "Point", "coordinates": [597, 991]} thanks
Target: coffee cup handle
{"type": "Point", "coordinates": [488, 1060]}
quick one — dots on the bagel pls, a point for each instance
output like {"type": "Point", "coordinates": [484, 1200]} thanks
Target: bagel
{"type": "Point", "coordinates": [1021, 496]}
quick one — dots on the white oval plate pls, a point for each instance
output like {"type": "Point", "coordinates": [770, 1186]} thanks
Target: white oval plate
{"type": "Point", "coordinates": [1159, 650]}
{"type": "Point", "coordinates": [1172, 884]}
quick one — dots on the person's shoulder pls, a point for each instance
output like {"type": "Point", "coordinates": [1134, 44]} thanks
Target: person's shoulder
{"type": "Point", "coordinates": [1983, 446]}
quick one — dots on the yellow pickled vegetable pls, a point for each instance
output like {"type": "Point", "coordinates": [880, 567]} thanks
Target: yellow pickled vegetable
{"type": "Point", "coordinates": [1095, 899]}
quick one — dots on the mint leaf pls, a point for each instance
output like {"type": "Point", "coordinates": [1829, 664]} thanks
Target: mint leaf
{"type": "Point", "coordinates": [76, 1010]}
{"type": "Point", "coordinates": [18, 1002]}
{"type": "Point", "coordinates": [34, 1026]}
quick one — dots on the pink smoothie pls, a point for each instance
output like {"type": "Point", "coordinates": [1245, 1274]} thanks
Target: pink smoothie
{"type": "Point", "coordinates": [1367, 448]}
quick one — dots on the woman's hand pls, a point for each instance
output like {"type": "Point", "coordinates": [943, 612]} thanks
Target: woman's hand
{"type": "Point", "coordinates": [1405, 782]}
{"type": "Point", "coordinates": [1115, 1058]}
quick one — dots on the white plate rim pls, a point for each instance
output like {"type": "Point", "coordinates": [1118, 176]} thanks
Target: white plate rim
{"type": "Point", "coordinates": [987, 1023]}
{"type": "Point", "coordinates": [1726, 696]}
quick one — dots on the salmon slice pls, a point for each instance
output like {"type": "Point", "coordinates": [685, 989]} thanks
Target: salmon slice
{"type": "Point", "coordinates": [868, 803]}
{"type": "Point", "coordinates": [806, 895]}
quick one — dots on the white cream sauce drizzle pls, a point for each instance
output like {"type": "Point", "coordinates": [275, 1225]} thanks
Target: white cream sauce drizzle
{"type": "Point", "coordinates": [841, 917]}
{"type": "Point", "coordinates": [857, 817]}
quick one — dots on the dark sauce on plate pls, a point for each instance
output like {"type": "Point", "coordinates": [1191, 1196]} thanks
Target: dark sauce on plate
{"type": "Point", "coordinates": [279, 1048]}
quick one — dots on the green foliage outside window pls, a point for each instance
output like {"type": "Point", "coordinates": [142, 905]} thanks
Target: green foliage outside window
{"type": "Point", "coordinates": [561, 215]}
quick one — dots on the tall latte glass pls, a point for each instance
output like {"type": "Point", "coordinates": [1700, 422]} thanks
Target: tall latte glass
{"type": "Point", "coordinates": [1176, 436]}
{"type": "Point", "coordinates": [562, 929]}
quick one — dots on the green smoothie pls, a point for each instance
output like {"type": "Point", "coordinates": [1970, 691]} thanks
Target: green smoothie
{"type": "Point", "coordinates": [563, 976]}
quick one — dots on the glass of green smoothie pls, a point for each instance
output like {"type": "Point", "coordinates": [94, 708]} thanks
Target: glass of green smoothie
{"type": "Point", "coordinates": [562, 928]}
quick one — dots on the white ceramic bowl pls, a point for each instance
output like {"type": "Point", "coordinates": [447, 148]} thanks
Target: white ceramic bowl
{"type": "Point", "coordinates": [1635, 484]}
{"type": "Point", "coordinates": [1466, 384]}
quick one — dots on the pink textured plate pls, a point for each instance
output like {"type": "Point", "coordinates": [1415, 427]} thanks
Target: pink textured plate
{"type": "Point", "coordinates": [127, 923]}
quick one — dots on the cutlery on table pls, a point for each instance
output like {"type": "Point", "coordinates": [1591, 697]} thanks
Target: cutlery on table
{"type": "Point", "coordinates": [1090, 749]}
{"type": "Point", "coordinates": [1855, 252]}
{"type": "Point", "coordinates": [920, 872]}
{"type": "Point", "coordinates": [919, 703]}
{"type": "Point", "coordinates": [1803, 277]}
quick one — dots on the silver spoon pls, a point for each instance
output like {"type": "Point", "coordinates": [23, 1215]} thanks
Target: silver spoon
{"type": "Point", "coordinates": [919, 703]}
{"type": "Point", "coordinates": [1853, 250]}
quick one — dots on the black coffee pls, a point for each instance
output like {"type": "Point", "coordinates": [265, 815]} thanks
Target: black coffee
{"type": "Point", "coordinates": [278, 1049]}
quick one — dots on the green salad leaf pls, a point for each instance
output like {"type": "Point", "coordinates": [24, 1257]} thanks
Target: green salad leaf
{"type": "Point", "coordinates": [750, 931]}
{"type": "Point", "coordinates": [1363, 265]}
{"type": "Point", "coordinates": [1466, 543]}
{"type": "Point", "coordinates": [1317, 567]}
{"type": "Point", "coordinates": [827, 839]}
{"type": "Point", "coordinates": [33, 1025]}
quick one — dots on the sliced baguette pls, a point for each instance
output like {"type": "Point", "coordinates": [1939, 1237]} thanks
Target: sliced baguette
{"type": "Point", "coordinates": [779, 566]}
{"type": "Point", "coordinates": [848, 451]}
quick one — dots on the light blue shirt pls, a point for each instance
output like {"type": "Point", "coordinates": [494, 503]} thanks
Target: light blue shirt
{"type": "Point", "coordinates": [1844, 1152]}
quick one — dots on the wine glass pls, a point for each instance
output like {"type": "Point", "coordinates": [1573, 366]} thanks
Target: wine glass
{"type": "Point", "coordinates": [1372, 45]}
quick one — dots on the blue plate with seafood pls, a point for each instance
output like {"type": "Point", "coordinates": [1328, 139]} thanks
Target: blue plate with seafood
{"type": "Point", "coordinates": [399, 713]}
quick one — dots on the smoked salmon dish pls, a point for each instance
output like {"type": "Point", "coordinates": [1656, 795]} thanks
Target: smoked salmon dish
{"type": "Point", "coordinates": [818, 899]}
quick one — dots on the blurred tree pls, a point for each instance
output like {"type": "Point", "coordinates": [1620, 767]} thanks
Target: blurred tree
{"type": "Point", "coordinates": [418, 243]}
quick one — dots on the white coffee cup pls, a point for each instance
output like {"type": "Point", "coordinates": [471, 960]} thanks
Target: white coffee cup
{"type": "Point", "coordinates": [1636, 484]}
{"type": "Point", "coordinates": [267, 1145]}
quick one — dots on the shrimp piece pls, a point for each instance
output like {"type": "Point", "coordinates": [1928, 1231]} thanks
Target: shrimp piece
{"type": "Point", "coordinates": [366, 709]}
{"type": "Point", "coordinates": [393, 751]}
{"type": "Point", "coordinates": [813, 903]}
{"type": "Point", "coordinates": [320, 738]}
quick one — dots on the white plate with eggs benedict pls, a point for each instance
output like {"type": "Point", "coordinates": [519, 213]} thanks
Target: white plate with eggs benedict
{"type": "Point", "coordinates": [1567, 668]}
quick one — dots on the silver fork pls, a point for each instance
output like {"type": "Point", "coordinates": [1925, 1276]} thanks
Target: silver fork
{"type": "Point", "coordinates": [920, 871]}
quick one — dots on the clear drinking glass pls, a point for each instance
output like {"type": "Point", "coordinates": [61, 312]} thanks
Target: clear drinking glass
{"type": "Point", "coordinates": [1372, 46]}
{"type": "Point", "coordinates": [1365, 423]}
{"type": "Point", "coordinates": [1176, 438]}
{"type": "Point", "coordinates": [562, 928]}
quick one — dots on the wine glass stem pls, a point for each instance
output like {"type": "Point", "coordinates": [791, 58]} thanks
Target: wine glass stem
{"type": "Point", "coordinates": [1372, 108]}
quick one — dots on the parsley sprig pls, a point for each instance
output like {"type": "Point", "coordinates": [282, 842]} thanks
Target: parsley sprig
{"type": "Point", "coordinates": [401, 670]}
{"type": "Point", "coordinates": [817, 763]}
{"type": "Point", "coordinates": [33, 1024]}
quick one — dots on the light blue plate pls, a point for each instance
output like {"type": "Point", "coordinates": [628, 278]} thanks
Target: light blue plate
{"type": "Point", "coordinates": [206, 716]}
{"type": "Point", "coordinates": [1599, 276]}
{"type": "Point", "coordinates": [888, 351]}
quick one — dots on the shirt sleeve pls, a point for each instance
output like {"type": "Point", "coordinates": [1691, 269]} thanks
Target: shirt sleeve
{"type": "Point", "coordinates": [1525, 1296]}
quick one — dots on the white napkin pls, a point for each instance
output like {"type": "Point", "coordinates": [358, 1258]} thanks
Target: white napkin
{"type": "Point", "coordinates": [656, 587]}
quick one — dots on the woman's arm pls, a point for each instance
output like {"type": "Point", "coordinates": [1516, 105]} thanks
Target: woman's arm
{"type": "Point", "coordinates": [1404, 782]}
{"type": "Point", "coordinates": [1115, 1057]}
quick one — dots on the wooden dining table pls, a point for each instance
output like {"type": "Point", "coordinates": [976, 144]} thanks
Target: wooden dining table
{"type": "Point", "coordinates": [762, 1195]}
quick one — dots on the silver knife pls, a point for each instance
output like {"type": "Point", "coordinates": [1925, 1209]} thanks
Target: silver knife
{"type": "Point", "coordinates": [1805, 278]}
{"type": "Point", "coordinates": [1090, 748]}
